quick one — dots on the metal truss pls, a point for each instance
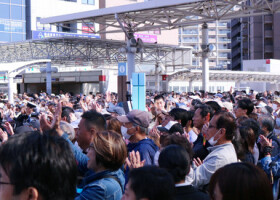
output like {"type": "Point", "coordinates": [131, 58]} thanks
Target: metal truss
{"type": "Point", "coordinates": [225, 75]}
{"type": "Point", "coordinates": [92, 52]}
{"type": "Point", "coordinates": [166, 14]}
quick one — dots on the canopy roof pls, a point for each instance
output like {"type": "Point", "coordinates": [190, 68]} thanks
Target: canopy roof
{"type": "Point", "coordinates": [166, 14]}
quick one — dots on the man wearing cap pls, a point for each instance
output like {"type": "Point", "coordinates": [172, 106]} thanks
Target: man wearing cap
{"type": "Point", "coordinates": [134, 129]}
{"type": "Point", "coordinates": [25, 117]}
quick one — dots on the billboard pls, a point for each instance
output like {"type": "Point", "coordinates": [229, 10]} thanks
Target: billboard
{"type": "Point", "coordinates": [47, 34]}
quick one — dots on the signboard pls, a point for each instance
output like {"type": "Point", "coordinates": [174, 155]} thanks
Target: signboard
{"type": "Point", "coordinates": [122, 69]}
{"type": "Point", "coordinates": [88, 28]}
{"type": "Point", "coordinates": [46, 34]}
{"type": "Point", "coordinates": [146, 37]}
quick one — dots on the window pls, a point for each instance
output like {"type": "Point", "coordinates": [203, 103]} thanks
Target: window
{"type": "Point", "coordinates": [223, 55]}
{"type": "Point", "coordinates": [4, 11]}
{"type": "Point", "coordinates": [4, 25]}
{"type": "Point", "coordinates": [190, 39]}
{"type": "Point", "coordinates": [5, 1]}
{"type": "Point", "coordinates": [17, 26]}
{"type": "Point", "coordinates": [5, 37]}
{"type": "Point", "coordinates": [90, 2]}
{"type": "Point", "coordinates": [16, 12]}
{"type": "Point", "coordinates": [222, 46]}
{"type": "Point", "coordinates": [17, 37]}
{"type": "Point", "coordinates": [16, 2]}
{"type": "Point", "coordinates": [190, 31]}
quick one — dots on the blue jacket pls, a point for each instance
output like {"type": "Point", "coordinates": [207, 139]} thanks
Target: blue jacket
{"type": "Point", "coordinates": [81, 158]}
{"type": "Point", "coordinates": [95, 187]}
{"type": "Point", "coordinates": [147, 149]}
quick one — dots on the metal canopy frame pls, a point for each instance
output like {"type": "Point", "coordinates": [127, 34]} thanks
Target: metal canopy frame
{"type": "Point", "coordinates": [92, 52]}
{"type": "Point", "coordinates": [225, 75]}
{"type": "Point", "coordinates": [166, 14]}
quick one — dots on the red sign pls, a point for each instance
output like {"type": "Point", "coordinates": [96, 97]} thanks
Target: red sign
{"type": "Point", "coordinates": [164, 77]}
{"type": "Point", "coordinates": [267, 61]}
{"type": "Point", "coordinates": [102, 78]}
{"type": "Point", "coordinates": [88, 28]}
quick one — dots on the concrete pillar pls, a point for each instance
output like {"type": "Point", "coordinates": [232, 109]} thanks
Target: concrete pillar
{"type": "Point", "coordinates": [102, 83]}
{"type": "Point", "coordinates": [238, 85]}
{"type": "Point", "coordinates": [165, 83]}
{"type": "Point", "coordinates": [190, 85]}
{"type": "Point", "coordinates": [49, 78]}
{"type": "Point", "coordinates": [10, 89]}
{"type": "Point", "coordinates": [205, 61]}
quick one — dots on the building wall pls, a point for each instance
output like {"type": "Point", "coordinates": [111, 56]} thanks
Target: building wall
{"type": "Point", "coordinates": [12, 20]}
{"type": "Point", "coordinates": [42, 8]}
{"type": "Point", "coordinates": [217, 32]}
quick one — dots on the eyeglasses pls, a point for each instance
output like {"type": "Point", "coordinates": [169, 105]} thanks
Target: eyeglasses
{"type": "Point", "coordinates": [211, 126]}
{"type": "Point", "coordinates": [5, 183]}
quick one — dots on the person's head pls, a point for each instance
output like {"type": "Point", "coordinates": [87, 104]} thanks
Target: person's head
{"type": "Point", "coordinates": [37, 166]}
{"type": "Point", "coordinates": [244, 107]}
{"type": "Point", "coordinates": [214, 105]}
{"type": "Point", "coordinates": [91, 123]}
{"type": "Point", "coordinates": [149, 183]}
{"type": "Point", "coordinates": [178, 140]}
{"type": "Point", "coordinates": [194, 104]}
{"type": "Point", "coordinates": [68, 128]}
{"type": "Point", "coordinates": [221, 128]}
{"type": "Point", "coordinates": [114, 125]}
{"type": "Point", "coordinates": [266, 124]}
{"type": "Point", "coordinates": [159, 102]}
{"type": "Point", "coordinates": [240, 181]}
{"type": "Point", "coordinates": [107, 151]}
{"type": "Point", "coordinates": [248, 138]}
{"type": "Point", "coordinates": [68, 114]}
{"type": "Point", "coordinates": [253, 124]}
{"type": "Point", "coordinates": [176, 160]}
{"type": "Point", "coordinates": [135, 125]}
{"type": "Point", "coordinates": [202, 115]}
{"type": "Point", "coordinates": [177, 114]}
{"type": "Point", "coordinates": [187, 119]}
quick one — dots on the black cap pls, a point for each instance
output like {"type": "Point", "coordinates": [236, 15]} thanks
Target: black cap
{"type": "Point", "coordinates": [31, 105]}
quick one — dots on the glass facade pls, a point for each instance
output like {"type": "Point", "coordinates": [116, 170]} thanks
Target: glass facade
{"type": "Point", "coordinates": [12, 20]}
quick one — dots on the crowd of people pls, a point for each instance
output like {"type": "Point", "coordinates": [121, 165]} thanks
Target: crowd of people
{"type": "Point", "coordinates": [190, 145]}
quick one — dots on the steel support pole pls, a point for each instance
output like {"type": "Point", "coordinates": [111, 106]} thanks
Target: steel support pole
{"type": "Point", "coordinates": [10, 89]}
{"type": "Point", "coordinates": [49, 78]}
{"type": "Point", "coordinates": [205, 61]}
{"type": "Point", "coordinates": [130, 62]}
{"type": "Point", "coordinates": [157, 77]}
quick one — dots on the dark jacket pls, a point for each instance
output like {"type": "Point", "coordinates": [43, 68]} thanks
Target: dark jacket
{"type": "Point", "coordinates": [146, 148]}
{"type": "Point", "coordinates": [199, 148]}
{"type": "Point", "coordinates": [188, 192]}
{"type": "Point", "coordinates": [96, 186]}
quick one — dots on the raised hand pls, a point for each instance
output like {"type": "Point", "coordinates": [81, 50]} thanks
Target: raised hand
{"type": "Point", "coordinates": [264, 141]}
{"type": "Point", "coordinates": [3, 135]}
{"type": "Point", "coordinates": [197, 162]}
{"type": "Point", "coordinates": [134, 160]}
{"type": "Point", "coordinates": [8, 128]}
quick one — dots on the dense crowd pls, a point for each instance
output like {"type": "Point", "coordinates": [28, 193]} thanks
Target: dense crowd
{"type": "Point", "coordinates": [196, 145]}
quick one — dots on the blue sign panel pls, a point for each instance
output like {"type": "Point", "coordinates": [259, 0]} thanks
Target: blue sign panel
{"type": "Point", "coordinates": [46, 34]}
{"type": "Point", "coordinates": [139, 91]}
{"type": "Point", "coordinates": [122, 69]}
